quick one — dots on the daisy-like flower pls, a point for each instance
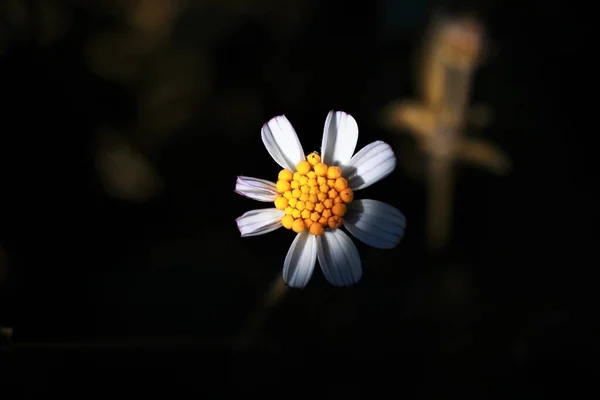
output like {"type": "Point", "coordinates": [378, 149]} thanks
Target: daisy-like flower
{"type": "Point", "coordinates": [314, 197]}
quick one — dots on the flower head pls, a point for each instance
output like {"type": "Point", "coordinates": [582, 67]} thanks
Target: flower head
{"type": "Point", "coordinates": [314, 197]}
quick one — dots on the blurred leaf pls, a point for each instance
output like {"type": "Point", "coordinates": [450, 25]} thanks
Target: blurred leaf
{"type": "Point", "coordinates": [53, 21]}
{"type": "Point", "coordinates": [14, 20]}
{"type": "Point", "coordinates": [125, 173]}
{"type": "Point", "coordinates": [6, 334]}
{"type": "Point", "coordinates": [170, 91]}
{"type": "Point", "coordinates": [118, 55]}
{"type": "Point", "coordinates": [47, 20]}
{"type": "Point", "coordinates": [153, 16]}
{"type": "Point", "coordinates": [179, 68]}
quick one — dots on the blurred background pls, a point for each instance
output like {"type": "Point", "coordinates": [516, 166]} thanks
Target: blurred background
{"type": "Point", "coordinates": [125, 124]}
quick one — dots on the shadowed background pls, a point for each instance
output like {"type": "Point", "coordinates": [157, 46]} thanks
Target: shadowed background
{"type": "Point", "coordinates": [125, 125]}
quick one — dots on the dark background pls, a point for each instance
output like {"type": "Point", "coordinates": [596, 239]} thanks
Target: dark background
{"type": "Point", "coordinates": [167, 284]}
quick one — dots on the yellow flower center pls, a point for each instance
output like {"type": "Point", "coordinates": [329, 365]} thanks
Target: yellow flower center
{"type": "Point", "coordinates": [314, 197]}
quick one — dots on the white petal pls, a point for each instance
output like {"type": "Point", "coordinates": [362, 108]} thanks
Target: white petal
{"type": "Point", "coordinates": [375, 223]}
{"type": "Point", "coordinates": [300, 260]}
{"type": "Point", "coordinates": [281, 141]}
{"type": "Point", "coordinates": [340, 136]}
{"type": "Point", "coordinates": [339, 258]}
{"type": "Point", "coordinates": [256, 189]}
{"type": "Point", "coordinates": [372, 163]}
{"type": "Point", "coordinates": [259, 222]}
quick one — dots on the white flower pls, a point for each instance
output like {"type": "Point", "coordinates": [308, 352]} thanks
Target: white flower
{"type": "Point", "coordinates": [318, 198]}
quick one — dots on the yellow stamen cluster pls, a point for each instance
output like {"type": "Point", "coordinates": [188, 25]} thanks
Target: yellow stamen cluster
{"type": "Point", "coordinates": [314, 197]}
